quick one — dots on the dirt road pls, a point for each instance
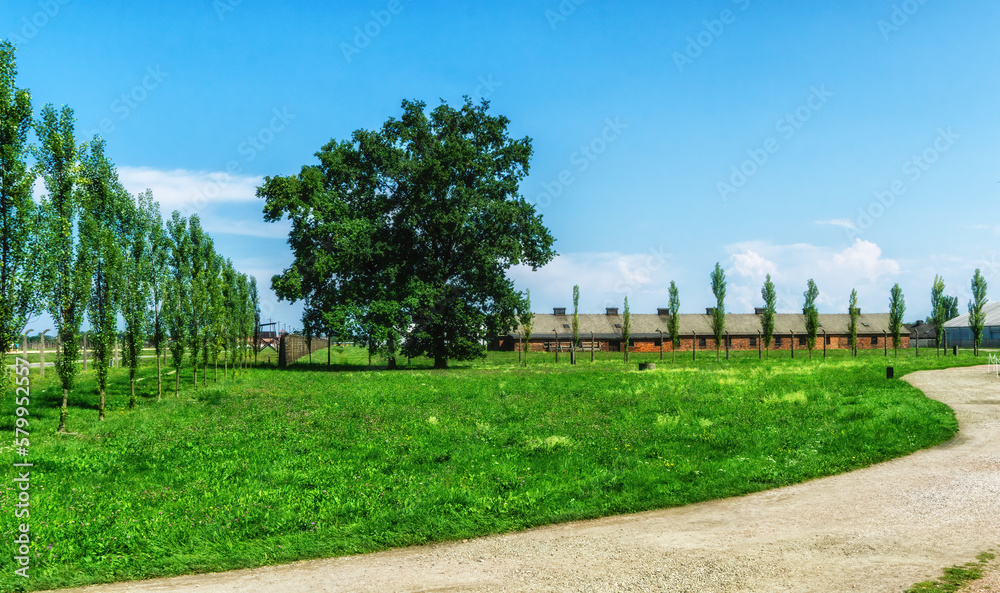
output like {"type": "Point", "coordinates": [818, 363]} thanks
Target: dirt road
{"type": "Point", "coordinates": [879, 529]}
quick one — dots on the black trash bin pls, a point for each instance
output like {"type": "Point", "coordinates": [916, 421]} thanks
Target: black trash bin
{"type": "Point", "coordinates": [888, 372]}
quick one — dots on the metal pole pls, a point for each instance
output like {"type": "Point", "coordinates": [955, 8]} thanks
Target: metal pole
{"type": "Point", "coordinates": [824, 343]}
{"type": "Point", "coordinates": [793, 344]}
{"type": "Point", "coordinates": [727, 344]}
{"type": "Point", "coordinates": [885, 343]}
{"type": "Point", "coordinates": [760, 351]}
{"type": "Point", "coordinates": [556, 332]}
{"type": "Point", "coordinates": [694, 346]}
{"type": "Point", "coordinates": [592, 346]}
{"type": "Point", "coordinates": [661, 343]}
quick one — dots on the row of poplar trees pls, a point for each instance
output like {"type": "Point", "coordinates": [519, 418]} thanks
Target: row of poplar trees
{"type": "Point", "coordinates": [90, 248]}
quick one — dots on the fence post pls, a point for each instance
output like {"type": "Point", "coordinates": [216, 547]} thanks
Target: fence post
{"type": "Point", "coordinates": [885, 343]}
{"type": "Point", "coordinates": [824, 343]}
{"type": "Point", "coordinates": [694, 346]}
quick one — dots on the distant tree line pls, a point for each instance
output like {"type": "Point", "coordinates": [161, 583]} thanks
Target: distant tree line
{"type": "Point", "coordinates": [90, 249]}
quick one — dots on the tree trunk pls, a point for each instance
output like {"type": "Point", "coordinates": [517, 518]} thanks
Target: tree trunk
{"type": "Point", "coordinates": [391, 365]}
{"type": "Point", "coordinates": [63, 411]}
{"type": "Point", "coordinates": [131, 380]}
{"type": "Point", "coordinates": [159, 379]}
{"type": "Point", "coordinates": [440, 361]}
{"type": "Point", "coordinates": [100, 408]}
{"type": "Point", "coordinates": [177, 384]}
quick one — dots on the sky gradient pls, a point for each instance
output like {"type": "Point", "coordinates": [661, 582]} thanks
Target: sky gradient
{"type": "Point", "coordinates": [852, 142]}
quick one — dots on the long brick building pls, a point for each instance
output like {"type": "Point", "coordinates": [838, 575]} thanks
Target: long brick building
{"type": "Point", "coordinates": [604, 332]}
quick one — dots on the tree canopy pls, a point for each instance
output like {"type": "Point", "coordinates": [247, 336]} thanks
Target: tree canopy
{"type": "Point", "coordinates": [408, 231]}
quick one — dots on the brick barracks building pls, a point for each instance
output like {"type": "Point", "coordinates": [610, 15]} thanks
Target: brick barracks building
{"type": "Point", "coordinates": [603, 333]}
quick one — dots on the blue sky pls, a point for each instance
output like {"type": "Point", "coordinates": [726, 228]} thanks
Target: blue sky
{"type": "Point", "coordinates": [853, 142]}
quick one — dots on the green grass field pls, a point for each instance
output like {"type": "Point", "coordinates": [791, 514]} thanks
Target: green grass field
{"type": "Point", "coordinates": [280, 465]}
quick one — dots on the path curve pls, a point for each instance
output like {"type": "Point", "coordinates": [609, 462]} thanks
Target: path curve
{"type": "Point", "coordinates": [879, 529]}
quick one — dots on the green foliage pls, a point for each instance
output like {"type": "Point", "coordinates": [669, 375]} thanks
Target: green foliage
{"type": "Point", "coordinates": [951, 306]}
{"type": "Point", "coordinates": [811, 314]}
{"type": "Point", "coordinates": [770, 297]}
{"type": "Point", "coordinates": [674, 323]}
{"type": "Point", "coordinates": [719, 314]}
{"type": "Point", "coordinates": [422, 218]}
{"type": "Point", "coordinates": [326, 464]}
{"type": "Point", "coordinates": [977, 318]}
{"type": "Point", "coordinates": [897, 307]}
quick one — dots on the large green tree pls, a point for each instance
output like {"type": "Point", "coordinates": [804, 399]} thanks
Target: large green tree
{"type": "Point", "coordinates": [770, 297]}
{"type": "Point", "coordinates": [626, 329]}
{"type": "Point", "coordinates": [811, 314]}
{"type": "Point", "coordinates": [674, 322]}
{"type": "Point", "coordinates": [66, 272]}
{"type": "Point", "coordinates": [422, 217]}
{"type": "Point", "coordinates": [19, 246]}
{"type": "Point", "coordinates": [159, 276]}
{"type": "Point", "coordinates": [897, 308]}
{"type": "Point", "coordinates": [977, 318]}
{"type": "Point", "coordinates": [718, 277]}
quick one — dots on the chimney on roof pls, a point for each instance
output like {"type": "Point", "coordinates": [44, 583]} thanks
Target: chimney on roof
{"type": "Point", "coordinates": [663, 312]}
{"type": "Point", "coordinates": [558, 310]}
{"type": "Point", "coordinates": [611, 311]}
{"type": "Point", "coordinates": [919, 322]}
{"type": "Point", "coordinates": [710, 311]}
{"type": "Point", "coordinates": [758, 310]}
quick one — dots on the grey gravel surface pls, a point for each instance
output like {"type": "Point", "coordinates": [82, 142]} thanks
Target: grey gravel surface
{"type": "Point", "coordinates": [879, 529]}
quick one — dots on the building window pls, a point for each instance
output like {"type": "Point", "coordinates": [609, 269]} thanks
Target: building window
{"type": "Point", "coordinates": [702, 342]}
{"type": "Point", "coordinates": [753, 341]}
{"type": "Point", "coordinates": [777, 342]}
{"type": "Point", "coordinates": [828, 340]}
{"type": "Point", "coordinates": [874, 340]}
{"type": "Point", "coordinates": [802, 341]}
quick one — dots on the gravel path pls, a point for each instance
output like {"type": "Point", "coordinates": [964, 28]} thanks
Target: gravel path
{"type": "Point", "coordinates": [879, 529]}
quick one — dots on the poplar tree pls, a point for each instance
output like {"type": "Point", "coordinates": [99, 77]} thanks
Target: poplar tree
{"type": "Point", "coordinates": [938, 311]}
{"type": "Point", "coordinates": [102, 235]}
{"type": "Point", "coordinates": [674, 322]}
{"type": "Point", "coordinates": [977, 319]}
{"type": "Point", "coordinates": [177, 300]}
{"type": "Point", "coordinates": [158, 278]}
{"type": "Point", "coordinates": [576, 322]}
{"type": "Point", "coordinates": [719, 314]}
{"type": "Point", "coordinates": [140, 242]}
{"type": "Point", "coordinates": [852, 329]}
{"type": "Point", "coordinates": [19, 245]}
{"type": "Point", "coordinates": [626, 328]}
{"type": "Point", "coordinates": [812, 315]}
{"type": "Point", "coordinates": [770, 297]}
{"type": "Point", "coordinates": [199, 302]}
{"type": "Point", "coordinates": [254, 298]}
{"type": "Point", "coordinates": [527, 319]}
{"type": "Point", "coordinates": [217, 306]}
{"type": "Point", "coordinates": [897, 307]}
{"type": "Point", "coordinates": [66, 266]}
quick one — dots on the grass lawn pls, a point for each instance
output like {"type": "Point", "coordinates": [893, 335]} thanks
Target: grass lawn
{"type": "Point", "coordinates": [280, 465]}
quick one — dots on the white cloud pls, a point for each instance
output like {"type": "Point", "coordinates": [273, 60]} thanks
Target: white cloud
{"type": "Point", "coordinates": [847, 223]}
{"type": "Point", "coordinates": [861, 266]}
{"type": "Point", "coordinates": [189, 192]}
{"type": "Point", "coordinates": [249, 228]}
